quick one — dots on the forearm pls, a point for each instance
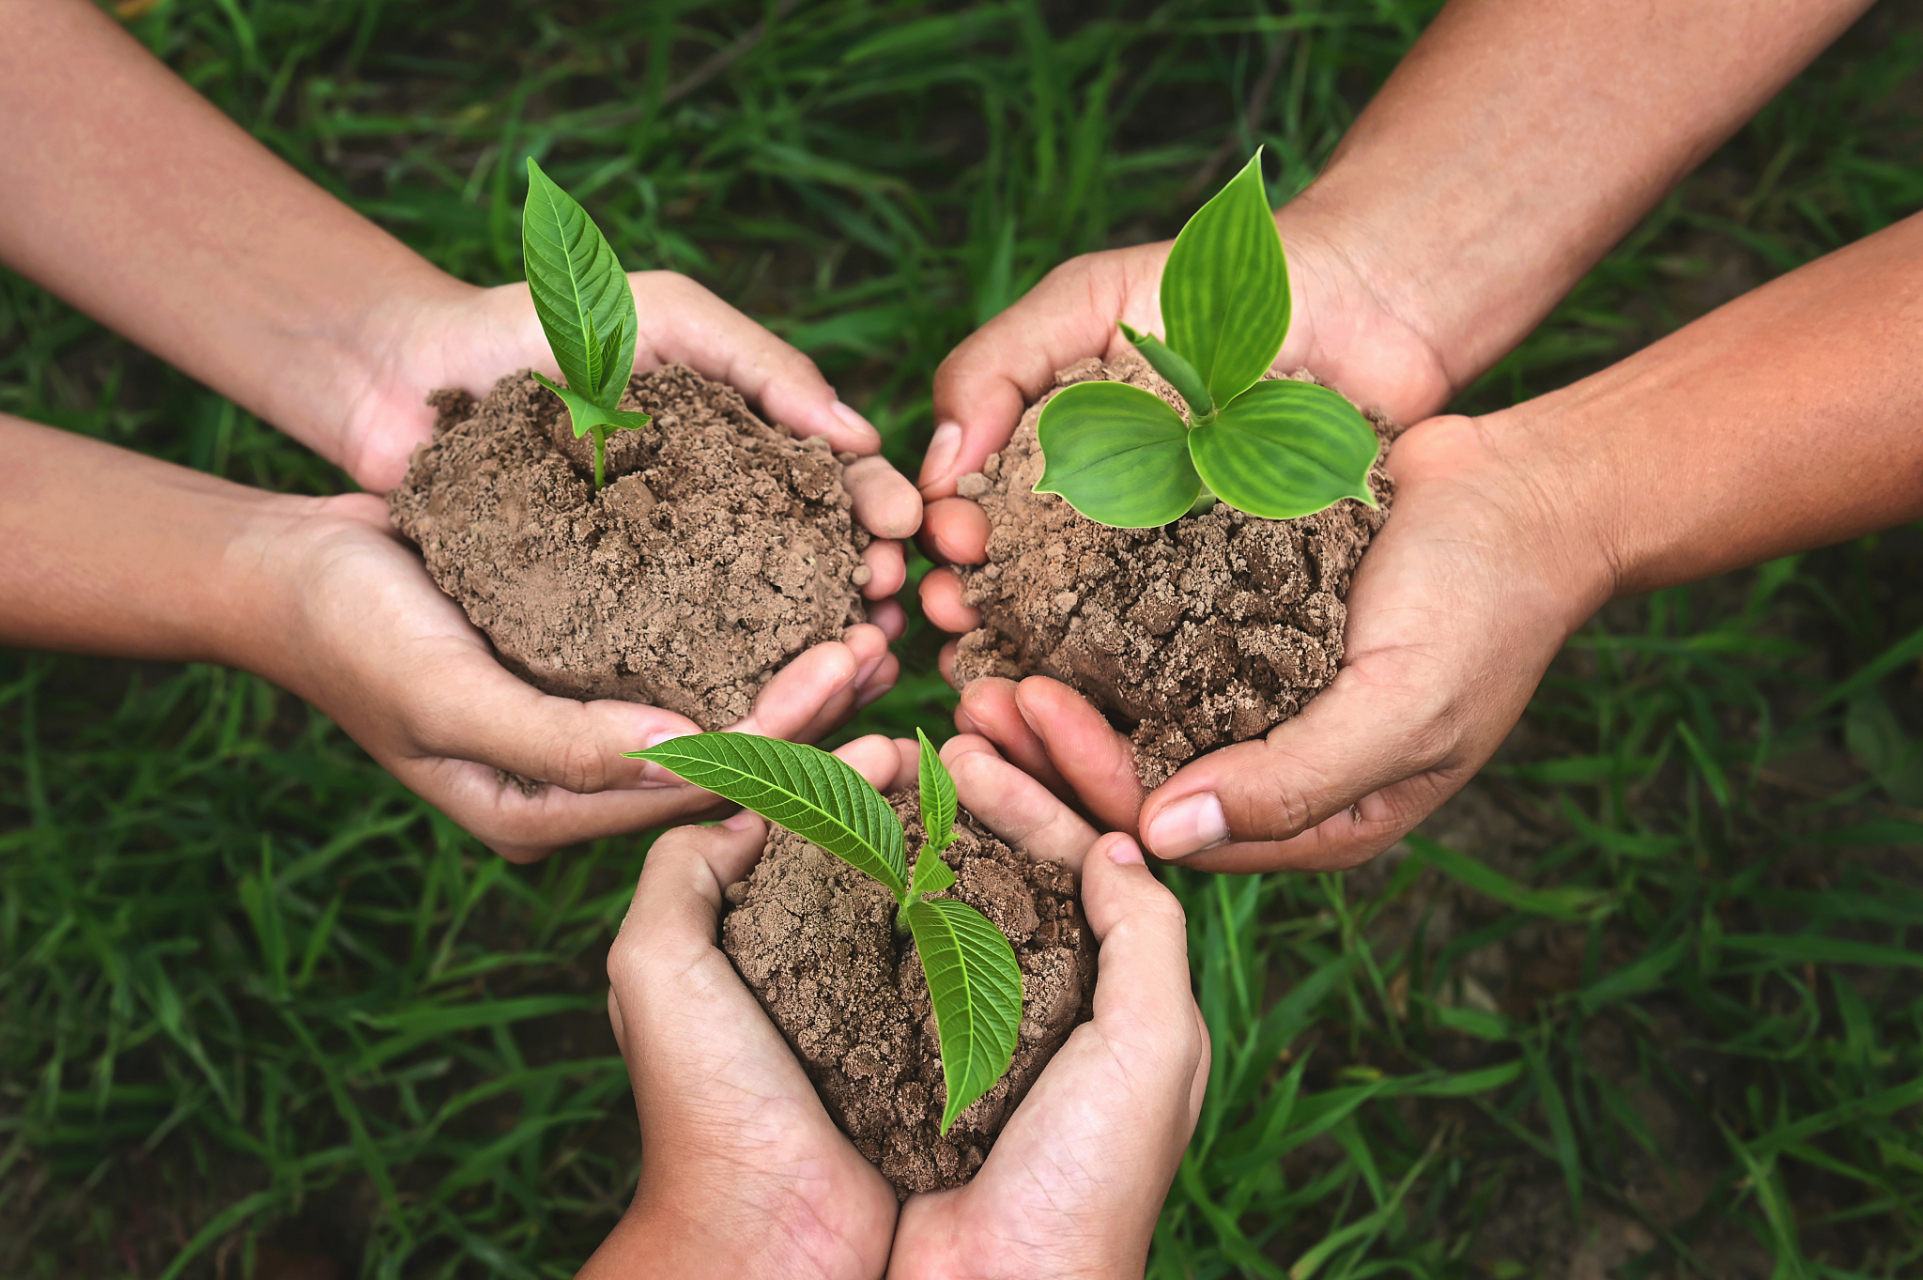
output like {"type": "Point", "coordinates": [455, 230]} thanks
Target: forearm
{"type": "Point", "coordinates": [109, 552]}
{"type": "Point", "coordinates": [141, 204]}
{"type": "Point", "coordinates": [1789, 419]}
{"type": "Point", "coordinates": [1520, 139]}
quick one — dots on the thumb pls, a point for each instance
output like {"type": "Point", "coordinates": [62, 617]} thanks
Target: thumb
{"type": "Point", "coordinates": [1144, 966]}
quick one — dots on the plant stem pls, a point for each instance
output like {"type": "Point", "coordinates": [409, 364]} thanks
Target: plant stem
{"type": "Point", "coordinates": [600, 454]}
{"type": "Point", "coordinates": [1204, 502]}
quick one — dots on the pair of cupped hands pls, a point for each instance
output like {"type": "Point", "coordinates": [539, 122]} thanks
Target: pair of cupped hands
{"type": "Point", "coordinates": [1453, 616]}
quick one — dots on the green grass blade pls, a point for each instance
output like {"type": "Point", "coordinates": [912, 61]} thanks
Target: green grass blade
{"type": "Point", "coordinates": [976, 988]}
{"type": "Point", "coordinates": [580, 293]}
{"type": "Point", "coordinates": [1285, 449]}
{"type": "Point", "coordinates": [1225, 289]}
{"type": "Point", "coordinates": [805, 789]}
{"type": "Point", "coordinates": [1118, 454]}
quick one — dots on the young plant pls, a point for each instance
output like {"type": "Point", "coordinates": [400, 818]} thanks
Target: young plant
{"type": "Point", "coordinates": [586, 309]}
{"type": "Point", "coordinates": [973, 979]}
{"type": "Point", "coordinates": [1122, 457]}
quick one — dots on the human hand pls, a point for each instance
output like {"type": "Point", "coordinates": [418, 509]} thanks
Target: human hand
{"type": "Point", "coordinates": [1074, 1182]}
{"type": "Point", "coordinates": [1489, 562]}
{"type": "Point", "coordinates": [352, 623]}
{"type": "Point", "coordinates": [469, 338]}
{"type": "Point", "coordinates": [742, 1171]}
{"type": "Point", "coordinates": [1344, 327]}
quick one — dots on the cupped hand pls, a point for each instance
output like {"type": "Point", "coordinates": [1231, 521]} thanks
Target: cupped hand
{"type": "Point", "coordinates": [1486, 566]}
{"type": "Point", "coordinates": [470, 338]}
{"type": "Point", "coordinates": [1344, 328]}
{"type": "Point", "coordinates": [1076, 1179]}
{"type": "Point", "coordinates": [368, 638]}
{"type": "Point", "coordinates": [742, 1171]}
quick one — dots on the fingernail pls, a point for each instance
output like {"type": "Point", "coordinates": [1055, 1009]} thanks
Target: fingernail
{"type": "Point", "coordinates": [742, 821]}
{"type": "Point", "coordinates": [856, 423]}
{"type": "Point", "coordinates": [1124, 852]}
{"type": "Point", "coordinates": [942, 448]}
{"type": "Point", "coordinates": [652, 774]}
{"type": "Point", "coordinates": [1190, 825]}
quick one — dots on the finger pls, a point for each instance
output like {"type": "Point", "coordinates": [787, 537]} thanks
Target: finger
{"type": "Point", "coordinates": [1142, 996]}
{"type": "Point", "coordinates": [890, 617]}
{"type": "Point", "coordinates": [875, 671]}
{"type": "Point", "coordinates": [986, 382]}
{"type": "Point", "coordinates": [1359, 736]}
{"type": "Point", "coordinates": [941, 600]}
{"type": "Point", "coordinates": [945, 662]}
{"type": "Point", "coordinates": [886, 504]}
{"type": "Point", "coordinates": [1015, 806]}
{"type": "Point", "coordinates": [888, 763]}
{"type": "Point", "coordinates": [677, 901]}
{"type": "Point", "coordinates": [884, 679]}
{"type": "Point", "coordinates": [682, 322]}
{"type": "Point", "coordinates": [954, 531]}
{"type": "Point", "coordinates": [1349, 838]}
{"type": "Point", "coordinates": [887, 568]}
{"type": "Point", "coordinates": [1096, 763]}
{"type": "Point", "coordinates": [990, 708]}
{"type": "Point", "coordinates": [791, 701]}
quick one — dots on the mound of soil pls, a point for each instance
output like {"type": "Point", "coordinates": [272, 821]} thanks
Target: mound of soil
{"type": "Point", "coordinates": [1204, 632]}
{"type": "Point", "coordinates": [815, 941]}
{"type": "Point", "coordinates": [720, 548]}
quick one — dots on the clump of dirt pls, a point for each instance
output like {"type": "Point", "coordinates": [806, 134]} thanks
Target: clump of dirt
{"type": "Point", "coordinates": [815, 941]}
{"type": "Point", "coordinates": [1204, 632]}
{"type": "Point", "coordinates": [720, 548]}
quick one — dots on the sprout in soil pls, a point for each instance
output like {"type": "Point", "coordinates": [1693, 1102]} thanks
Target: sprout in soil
{"type": "Point", "coordinates": [586, 309]}
{"type": "Point", "coordinates": [1122, 457]}
{"type": "Point", "coordinates": [974, 982]}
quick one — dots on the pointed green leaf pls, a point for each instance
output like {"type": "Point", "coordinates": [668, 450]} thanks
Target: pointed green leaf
{"type": "Point", "coordinates": [1118, 454]}
{"type": "Point", "coordinates": [1175, 371]}
{"type": "Point", "coordinates": [976, 988]}
{"type": "Point", "coordinates": [937, 795]}
{"type": "Point", "coordinates": [1284, 449]}
{"type": "Point", "coordinates": [1225, 288]}
{"type": "Point", "coordinates": [580, 293]}
{"type": "Point", "coordinates": [585, 414]}
{"type": "Point", "coordinates": [813, 794]}
{"type": "Point", "coordinates": [931, 874]}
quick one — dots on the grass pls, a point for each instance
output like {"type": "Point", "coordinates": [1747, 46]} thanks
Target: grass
{"type": "Point", "coordinates": [1645, 1001]}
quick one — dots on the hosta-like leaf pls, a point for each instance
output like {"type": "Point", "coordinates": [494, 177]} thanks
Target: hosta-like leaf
{"type": "Point", "coordinates": [813, 794]}
{"type": "Point", "coordinates": [1225, 288]}
{"type": "Point", "coordinates": [1283, 449]}
{"type": "Point", "coordinates": [976, 988]}
{"type": "Point", "coordinates": [937, 795]}
{"type": "Point", "coordinates": [581, 295]}
{"type": "Point", "coordinates": [1118, 454]}
{"type": "Point", "coordinates": [1175, 371]}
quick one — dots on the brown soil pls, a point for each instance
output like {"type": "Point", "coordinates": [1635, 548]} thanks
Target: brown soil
{"type": "Point", "coordinates": [720, 548]}
{"type": "Point", "coordinates": [815, 940]}
{"type": "Point", "coordinates": [1204, 632]}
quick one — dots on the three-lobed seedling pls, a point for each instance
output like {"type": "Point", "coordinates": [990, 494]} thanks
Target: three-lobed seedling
{"type": "Point", "coordinates": [974, 981]}
{"type": "Point", "coordinates": [586, 310]}
{"type": "Point", "coordinates": [1277, 448]}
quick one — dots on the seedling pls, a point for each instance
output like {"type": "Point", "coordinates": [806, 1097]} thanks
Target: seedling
{"type": "Point", "coordinates": [586, 309]}
{"type": "Point", "coordinates": [1122, 457]}
{"type": "Point", "coordinates": [973, 980]}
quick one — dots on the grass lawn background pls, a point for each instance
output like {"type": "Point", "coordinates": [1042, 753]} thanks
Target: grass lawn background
{"type": "Point", "coordinates": [1643, 1002]}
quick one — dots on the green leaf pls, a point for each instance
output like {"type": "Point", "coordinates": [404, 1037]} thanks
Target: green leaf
{"type": "Point", "coordinates": [931, 874]}
{"type": "Point", "coordinates": [1118, 454]}
{"type": "Point", "coordinates": [811, 793]}
{"type": "Point", "coordinates": [1283, 449]}
{"type": "Point", "coordinates": [580, 292]}
{"type": "Point", "coordinates": [1175, 371]}
{"type": "Point", "coordinates": [1225, 288]}
{"type": "Point", "coordinates": [976, 988]}
{"type": "Point", "coordinates": [585, 414]}
{"type": "Point", "coordinates": [937, 795]}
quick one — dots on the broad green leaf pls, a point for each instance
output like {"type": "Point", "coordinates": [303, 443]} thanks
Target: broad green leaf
{"type": "Point", "coordinates": [937, 795]}
{"type": "Point", "coordinates": [1283, 449]}
{"type": "Point", "coordinates": [931, 874]}
{"type": "Point", "coordinates": [1175, 371]}
{"type": "Point", "coordinates": [585, 414]}
{"type": "Point", "coordinates": [580, 293]}
{"type": "Point", "coordinates": [1118, 454]}
{"type": "Point", "coordinates": [1225, 289]}
{"type": "Point", "coordinates": [976, 988]}
{"type": "Point", "coordinates": [813, 794]}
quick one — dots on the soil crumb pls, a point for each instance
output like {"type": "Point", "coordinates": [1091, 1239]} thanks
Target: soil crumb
{"type": "Point", "coordinates": [1208, 631]}
{"type": "Point", "coordinates": [720, 548]}
{"type": "Point", "coordinates": [815, 941]}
